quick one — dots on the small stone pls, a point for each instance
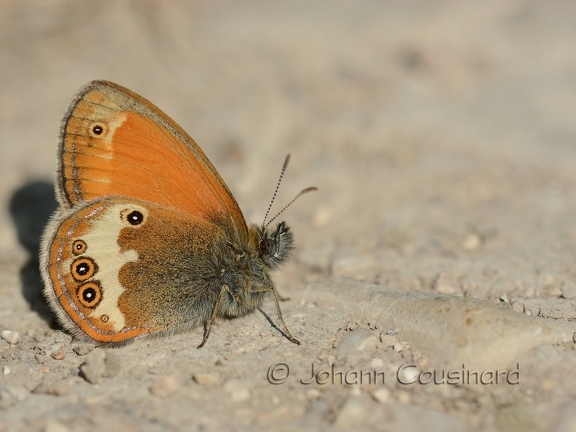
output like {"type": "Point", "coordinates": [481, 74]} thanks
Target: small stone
{"type": "Point", "coordinates": [56, 426]}
{"type": "Point", "coordinates": [445, 283]}
{"type": "Point", "coordinates": [313, 394]}
{"type": "Point", "coordinates": [7, 399]}
{"type": "Point", "coordinates": [59, 353]}
{"type": "Point", "coordinates": [567, 418]}
{"type": "Point", "coordinates": [518, 306]}
{"type": "Point", "coordinates": [10, 396]}
{"type": "Point", "coordinates": [568, 290]}
{"type": "Point", "coordinates": [400, 346]}
{"type": "Point", "coordinates": [237, 390]}
{"type": "Point", "coordinates": [82, 349]}
{"type": "Point", "coordinates": [11, 336]}
{"type": "Point", "coordinates": [355, 391]}
{"type": "Point", "coordinates": [94, 368]}
{"type": "Point", "coordinates": [382, 395]}
{"type": "Point", "coordinates": [404, 397]}
{"type": "Point", "coordinates": [62, 387]}
{"type": "Point", "coordinates": [355, 341]}
{"type": "Point", "coordinates": [549, 290]}
{"type": "Point", "coordinates": [322, 216]}
{"type": "Point", "coordinates": [205, 379]}
{"type": "Point", "coordinates": [6, 370]}
{"type": "Point", "coordinates": [472, 242]}
{"type": "Point", "coordinates": [39, 337]}
{"type": "Point", "coordinates": [113, 364]}
{"type": "Point", "coordinates": [376, 363]}
{"type": "Point", "coordinates": [504, 297]}
{"type": "Point", "coordinates": [354, 412]}
{"type": "Point", "coordinates": [165, 386]}
{"type": "Point", "coordinates": [389, 340]}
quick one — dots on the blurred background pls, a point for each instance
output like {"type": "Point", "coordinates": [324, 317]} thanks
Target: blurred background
{"type": "Point", "coordinates": [441, 133]}
{"type": "Point", "coordinates": [433, 129]}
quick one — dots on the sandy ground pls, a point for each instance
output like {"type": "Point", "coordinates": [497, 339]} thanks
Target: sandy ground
{"type": "Point", "coordinates": [441, 136]}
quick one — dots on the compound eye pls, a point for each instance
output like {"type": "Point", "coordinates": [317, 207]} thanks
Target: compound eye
{"type": "Point", "coordinates": [268, 246]}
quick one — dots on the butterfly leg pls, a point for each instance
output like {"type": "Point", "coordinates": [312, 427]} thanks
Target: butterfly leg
{"type": "Point", "coordinates": [276, 296]}
{"type": "Point", "coordinates": [224, 289]}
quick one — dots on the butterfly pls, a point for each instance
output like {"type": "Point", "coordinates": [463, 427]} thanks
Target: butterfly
{"type": "Point", "coordinates": [148, 238]}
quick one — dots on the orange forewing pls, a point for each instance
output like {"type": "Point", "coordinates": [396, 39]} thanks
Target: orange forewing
{"type": "Point", "coordinates": [114, 142]}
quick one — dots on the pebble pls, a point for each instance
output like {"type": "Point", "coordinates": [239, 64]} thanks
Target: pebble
{"type": "Point", "coordinates": [113, 364]}
{"type": "Point", "coordinates": [59, 353]}
{"type": "Point", "coordinates": [400, 346]}
{"type": "Point", "coordinates": [7, 399]}
{"type": "Point", "coordinates": [10, 336]}
{"type": "Point", "coordinates": [376, 363]}
{"type": "Point", "coordinates": [82, 349]}
{"type": "Point", "coordinates": [56, 426]}
{"type": "Point", "coordinates": [6, 370]}
{"type": "Point", "coordinates": [11, 395]}
{"type": "Point", "coordinates": [389, 340]}
{"type": "Point", "coordinates": [445, 283]}
{"type": "Point", "coordinates": [568, 290]}
{"type": "Point", "coordinates": [404, 397]}
{"type": "Point", "coordinates": [567, 418]}
{"type": "Point", "coordinates": [549, 291]}
{"type": "Point", "coordinates": [237, 390]}
{"type": "Point", "coordinates": [472, 242]}
{"type": "Point", "coordinates": [100, 364]}
{"type": "Point", "coordinates": [63, 386]}
{"type": "Point", "coordinates": [322, 216]}
{"type": "Point", "coordinates": [313, 394]}
{"type": "Point", "coordinates": [94, 368]}
{"type": "Point", "coordinates": [205, 379]}
{"type": "Point", "coordinates": [165, 386]}
{"type": "Point", "coordinates": [353, 412]}
{"type": "Point", "coordinates": [358, 339]}
{"type": "Point", "coordinates": [518, 306]}
{"type": "Point", "coordinates": [382, 395]}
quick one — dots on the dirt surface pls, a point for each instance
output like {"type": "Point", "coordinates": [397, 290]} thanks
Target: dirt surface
{"type": "Point", "coordinates": [441, 136]}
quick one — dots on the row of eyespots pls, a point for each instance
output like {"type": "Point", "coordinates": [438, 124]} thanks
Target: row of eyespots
{"type": "Point", "coordinates": [83, 268]}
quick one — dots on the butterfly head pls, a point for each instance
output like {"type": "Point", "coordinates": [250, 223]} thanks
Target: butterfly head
{"type": "Point", "coordinates": [275, 245]}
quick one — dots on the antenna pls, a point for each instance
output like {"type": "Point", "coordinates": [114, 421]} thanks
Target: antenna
{"type": "Point", "coordinates": [310, 189]}
{"type": "Point", "coordinates": [276, 190]}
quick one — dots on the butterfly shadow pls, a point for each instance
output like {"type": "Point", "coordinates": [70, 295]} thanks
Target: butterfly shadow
{"type": "Point", "coordinates": [30, 208]}
{"type": "Point", "coordinates": [272, 323]}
